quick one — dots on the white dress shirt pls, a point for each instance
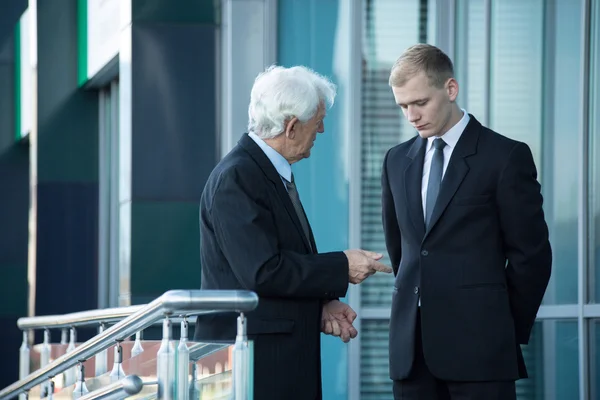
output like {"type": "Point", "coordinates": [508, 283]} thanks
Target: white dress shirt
{"type": "Point", "coordinates": [283, 167]}
{"type": "Point", "coordinates": [451, 138]}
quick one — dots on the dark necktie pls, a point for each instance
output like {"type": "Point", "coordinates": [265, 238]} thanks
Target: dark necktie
{"type": "Point", "coordinates": [435, 178]}
{"type": "Point", "coordinates": [295, 198]}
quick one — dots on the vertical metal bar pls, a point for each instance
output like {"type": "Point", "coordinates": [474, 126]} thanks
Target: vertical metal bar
{"type": "Point", "coordinates": [125, 153]}
{"type": "Point", "coordinates": [461, 45]}
{"type": "Point", "coordinates": [183, 364]}
{"type": "Point", "coordinates": [165, 363]}
{"type": "Point", "coordinates": [354, 101]}
{"type": "Point", "coordinates": [64, 336]}
{"type": "Point", "coordinates": [103, 214]}
{"type": "Point", "coordinates": [445, 17]}
{"type": "Point", "coordinates": [226, 76]}
{"type": "Point", "coordinates": [113, 277]}
{"type": "Point", "coordinates": [80, 387]}
{"type": "Point", "coordinates": [117, 372]}
{"type": "Point", "coordinates": [45, 356]}
{"type": "Point", "coordinates": [137, 348]}
{"type": "Point", "coordinates": [583, 225]}
{"type": "Point", "coordinates": [487, 92]}
{"type": "Point", "coordinates": [593, 180]}
{"type": "Point", "coordinates": [101, 357]}
{"type": "Point", "coordinates": [70, 374]}
{"type": "Point", "coordinates": [192, 393]}
{"type": "Point", "coordinates": [241, 365]}
{"type": "Point", "coordinates": [24, 360]}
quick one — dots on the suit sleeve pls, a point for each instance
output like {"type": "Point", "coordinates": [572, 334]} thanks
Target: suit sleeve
{"type": "Point", "coordinates": [525, 236]}
{"type": "Point", "coordinates": [248, 237]}
{"type": "Point", "coordinates": [390, 221]}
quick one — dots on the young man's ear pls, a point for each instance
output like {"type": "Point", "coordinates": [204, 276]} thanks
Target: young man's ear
{"type": "Point", "coordinates": [452, 89]}
{"type": "Point", "coordinates": [290, 130]}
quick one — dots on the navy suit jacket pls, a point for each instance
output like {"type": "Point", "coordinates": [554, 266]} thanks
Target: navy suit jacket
{"type": "Point", "coordinates": [481, 267]}
{"type": "Point", "coordinates": [251, 239]}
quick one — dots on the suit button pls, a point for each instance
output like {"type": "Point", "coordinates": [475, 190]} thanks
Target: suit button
{"type": "Point", "coordinates": [416, 290]}
{"type": "Point", "coordinates": [425, 253]}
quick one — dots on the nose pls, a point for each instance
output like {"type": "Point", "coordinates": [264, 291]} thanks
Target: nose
{"type": "Point", "coordinates": [412, 114]}
{"type": "Point", "coordinates": [321, 127]}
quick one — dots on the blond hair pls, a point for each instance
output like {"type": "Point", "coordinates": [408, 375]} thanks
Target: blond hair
{"type": "Point", "coordinates": [422, 58]}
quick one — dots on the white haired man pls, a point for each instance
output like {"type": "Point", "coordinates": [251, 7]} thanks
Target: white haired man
{"type": "Point", "coordinates": [256, 236]}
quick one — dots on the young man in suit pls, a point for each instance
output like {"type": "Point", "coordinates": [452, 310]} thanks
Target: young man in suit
{"type": "Point", "coordinates": [466, 235]}
{"type": "Point", "coordinates": [255, 236]}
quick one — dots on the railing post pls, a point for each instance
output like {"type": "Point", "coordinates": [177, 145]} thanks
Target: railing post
{"type": "Point", "coordinates": [48, 392]}
{"type": "Point", "coordinates": [192, 393]}
{"type": "Point", "coordinates": [45, 357]}
{"type": "Point", "coordinates": [137, 348]}
{"type": "Point", "coordinates": [101, 357]}
{"type": "Point", "coordinates": [183, 364]}
{"type": "Point", "coordinates": [165, 363]}
{"type": "Point", "coordinates": [24, 360]}
{"type": "Point", "coordinates": [63, 336]}
{"type": "Point", "coordinates": [241, 358]}
{"type": "Point", "coordinates": [80, 387]}
{"type": "Point", "coordinates": [117, 372]}
{"type": "Point", "coordinates": [70, 374]}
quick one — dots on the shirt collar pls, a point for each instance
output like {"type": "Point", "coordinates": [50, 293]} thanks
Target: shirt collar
{"type": "Point", "coordinates": [451, 137]}
{"type": "Point", "coordinates": [279, 162]}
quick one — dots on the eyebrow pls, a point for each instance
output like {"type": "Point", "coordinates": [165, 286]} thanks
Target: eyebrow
{"type": "Point", "coordinates": [414, 101]}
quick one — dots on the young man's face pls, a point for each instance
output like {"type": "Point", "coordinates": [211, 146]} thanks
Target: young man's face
{"type": "Point", "coordinates": [427, 108]}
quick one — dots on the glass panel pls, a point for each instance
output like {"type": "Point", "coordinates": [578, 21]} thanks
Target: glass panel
{"type": "Point", "coordinates": [470, 61]}
{"type": "Point", "coordinates": [552, 360]}
{"type": "Point", "coordinates": [521, 80]}
{"type": "Point", "coordinates": [594, 347]}
{"type": "Point", "coordinates": [390, 26]}
{"type": "Point", "coordinates": [375, 383]}
{"type": "Point", "coordinates": [516, 75]}
{"type": "Point", "coordinates": [560, 173]}
{"type": "Point", "coordinates": [213, 376]}
{"type": "Point", "coordinates": [594, 169]}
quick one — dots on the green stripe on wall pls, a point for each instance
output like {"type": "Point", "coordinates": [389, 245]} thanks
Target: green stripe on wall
{"type": "Point", "coordinates": [17, 55]}
{"type": "Point", "coordinates": [82, 50]}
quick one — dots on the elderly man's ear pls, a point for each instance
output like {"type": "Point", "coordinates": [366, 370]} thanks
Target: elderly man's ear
{"type": "Point", "coordinates": [290, 130]}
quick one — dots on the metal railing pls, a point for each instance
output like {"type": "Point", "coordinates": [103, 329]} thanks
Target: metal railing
{"type": "Point", "coordinates": [127, 386]}
{"type": "Point", "coordinates": [172, 303]}
{"type": "Point", "coordinates": [76, 319]}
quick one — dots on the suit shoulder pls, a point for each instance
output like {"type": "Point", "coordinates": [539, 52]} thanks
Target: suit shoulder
{"type": "Point", "coordinates": [500, 143]}
{"type": "Point", "coordinates": [400, 149]}
{"type": "Point", "coordinates": [237, 166]}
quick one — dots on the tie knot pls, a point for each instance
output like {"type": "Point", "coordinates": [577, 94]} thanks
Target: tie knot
{"type": "Point", "coordinates": [439, 143]}
{"type": "Point", "coordinates": [290, 183]}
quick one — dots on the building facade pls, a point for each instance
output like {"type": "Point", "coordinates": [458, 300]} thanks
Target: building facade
{"type": "Point", "coordinates": [131, 103]}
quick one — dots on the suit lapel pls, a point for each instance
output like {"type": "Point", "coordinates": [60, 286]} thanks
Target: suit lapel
{"type": "Point", "coordinates": [456, 171]}
{"type": "Point", "coordinates": [271, 173]}
{"type": "Point", "coordinates": [413, 177]}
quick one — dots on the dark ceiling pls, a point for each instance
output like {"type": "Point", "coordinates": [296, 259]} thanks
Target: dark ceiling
{"type": "Point", "coordinates": [10, 12]}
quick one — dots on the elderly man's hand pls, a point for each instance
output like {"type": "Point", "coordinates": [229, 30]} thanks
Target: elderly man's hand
{"type": "Point", "coordinates": [363, 263]}
{"type": "Point", "coordinates": [337, 320]}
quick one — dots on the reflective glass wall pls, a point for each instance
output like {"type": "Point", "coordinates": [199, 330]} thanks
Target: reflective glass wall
{"type": "Point", "coordinates": [530, 71]}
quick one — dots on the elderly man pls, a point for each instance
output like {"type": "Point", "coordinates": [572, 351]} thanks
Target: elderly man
{"type": "Point", "coordinates": [256, 236]}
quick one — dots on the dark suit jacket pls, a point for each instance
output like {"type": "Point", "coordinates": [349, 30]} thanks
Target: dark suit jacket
{"type": "Point", "coordinates": [251, 239]}
{"type": "Point", "coordinates": [482, 266]}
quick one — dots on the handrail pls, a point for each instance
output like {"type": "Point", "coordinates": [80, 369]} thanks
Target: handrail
{"type": "Point", "coordinates": [176, 302]}
{"type": "Point", "coordinates": [77, 318]}
{"type": "Point", "coordinates": [85, 318]}
{"type": "Point", "coordinates": [129, 385]}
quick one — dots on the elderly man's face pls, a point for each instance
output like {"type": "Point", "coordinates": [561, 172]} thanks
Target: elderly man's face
{"type": "Point", "coordinates": [301, 136]}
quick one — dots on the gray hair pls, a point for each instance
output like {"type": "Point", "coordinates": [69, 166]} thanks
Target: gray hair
{"type": "Point", "coordinates": [280, 94]}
